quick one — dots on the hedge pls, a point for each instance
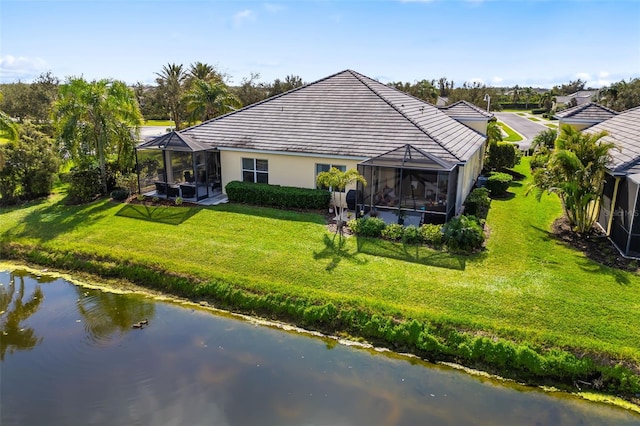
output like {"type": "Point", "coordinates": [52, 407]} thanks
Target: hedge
{"type": "Point", "coordinates": [262, 194]}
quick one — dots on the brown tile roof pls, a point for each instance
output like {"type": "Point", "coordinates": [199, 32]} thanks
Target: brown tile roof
{"type": "Point", "coordinates": [624, 132]}
{"type": "Point", "coordinates": [462, 110]}
{"type": "Point", "coordinates": [345, 114]}
{"type": "Point", "coordinates": [589, 112]}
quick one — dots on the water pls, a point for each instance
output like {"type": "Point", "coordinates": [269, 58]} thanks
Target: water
{"type": "Point", "coordinates": [71, 357]}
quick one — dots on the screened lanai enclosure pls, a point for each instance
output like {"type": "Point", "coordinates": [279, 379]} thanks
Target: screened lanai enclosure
{"type": "Point", "coordinates": [175, 165]}
{"type": "Point", "coordinates": [619, 213]}
{"type": "Point", "coordinates": [408, 185]}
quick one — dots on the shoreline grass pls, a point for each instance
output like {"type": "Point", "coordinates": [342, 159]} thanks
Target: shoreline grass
{"type": "Point", "coordinates": [526, 287]}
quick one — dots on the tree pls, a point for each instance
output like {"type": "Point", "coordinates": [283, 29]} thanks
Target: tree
{"type": "Point", "coordinates": [209, 99]}
{"type": "Point", "coordinates": [528, 93]}
{"type": "Point", "coordinates": [290, 82]}
{"type": "Point", "coordinates": [337, 180]}
{"type": "Point", "coordinates": [251, 90]}
{"type": "Point", "coordinates": [621, 96]}
{"type": "Point", "coordinates": [575, 172]}
{"type": "Point", "coordinates": [494, 132]}
{"type": "Point", "coordinates": [545, 138]}
{"type": "Point", "coordinates": [171, 84]}
{"type": "Point", "coordinates": [547, 100]}
{"type": "Point", "coordinates": [98, 121]}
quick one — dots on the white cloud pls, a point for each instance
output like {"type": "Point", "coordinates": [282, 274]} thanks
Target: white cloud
{"type": "Point", "coordinates": [584, 76]}
{"type": "Point", "coordinates": [497, 80]}
{"type": "Point", "coordinates": [243, 16]}
{"type": "Point", "coordinates": [13, 68]}
{"type": "Point", "coordinates": [273, 7]}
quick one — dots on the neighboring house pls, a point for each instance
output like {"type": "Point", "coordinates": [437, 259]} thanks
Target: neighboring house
{"type": "Point", "coordinates": [619, 210]}
{"type": "Point", "coordinates": [416, 159]}
{"type": "Point", "coordinates": [586, 115]}
{"type": "Point", "coordinates": [581, 97]}
{"type": "Point", "coordinates": [469, 115]}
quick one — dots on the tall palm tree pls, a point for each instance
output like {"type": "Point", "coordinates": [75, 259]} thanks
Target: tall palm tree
{"type": "Point", "coordinates": [171, 83]}
{"type": "Point", "coordinates": [95, 120]}
{"type": "Point", "coordinates": [209, 99]}
{"type": "Point", "coordinates": [575, 172]}
{"type": "Point", "coordinates": [528, 93]}
{"type": "Point", "coordinates": [547, 100]}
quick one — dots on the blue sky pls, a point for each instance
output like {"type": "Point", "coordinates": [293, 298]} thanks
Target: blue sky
{"type": "Point", "coordinates": [500, 43]}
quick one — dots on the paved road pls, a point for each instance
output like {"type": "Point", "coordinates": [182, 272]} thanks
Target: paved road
{"type": "Point", "coordinates": [527, 128]}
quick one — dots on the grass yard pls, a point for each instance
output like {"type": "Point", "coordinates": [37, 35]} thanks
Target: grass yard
{"type": "Point", "coordinates": [525, 286]}
{"type": "Point", "coordinates": [512, 136]}
{"type": "Point", "coordinates": [533, 119]}
{"type": "Point", "coordinates": [160, 123]}
{"type": "Point", "coordinates": [552, 126]}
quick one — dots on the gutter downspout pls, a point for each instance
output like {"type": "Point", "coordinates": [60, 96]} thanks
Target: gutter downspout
{"type": "Point", "coordinates": [613, 206]}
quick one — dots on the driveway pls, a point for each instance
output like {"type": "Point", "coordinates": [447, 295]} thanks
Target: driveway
{"type": "Point", "coordinates": [528, 129]}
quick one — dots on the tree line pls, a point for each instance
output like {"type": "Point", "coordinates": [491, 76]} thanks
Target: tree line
{"type": "Point", "coordinates": [92, 126]}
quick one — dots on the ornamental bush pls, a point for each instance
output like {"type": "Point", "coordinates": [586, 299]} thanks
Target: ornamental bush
{"type": "Point", "coordinates": [463, 234]}
{"type": "Point", "coordinates": [502, 155]}
{"type": "Point", "coordinates": [411, 235]}
{"type": "Point", "coordinates": [84, 185]}
{"type": "Point", "coordinates": [477, 203]}
{"type": "Point", "coordinates": [498, 184]}
{"type": "Point", "coordinates": [431, 234]}
{"type": "Point", "coordinates": [393, 232]}
{"type": "Point", "coordinates": [262, 194]}
{"type": "Point", "coordinates": [367, 226]}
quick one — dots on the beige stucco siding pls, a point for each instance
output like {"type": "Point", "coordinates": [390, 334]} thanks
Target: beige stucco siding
{"type": "Point", "coordinates": [479, 126]}
{"type": "Point", "coordinates": [285, 170]}
{"type": "Point", "coordinates": [467, 176]}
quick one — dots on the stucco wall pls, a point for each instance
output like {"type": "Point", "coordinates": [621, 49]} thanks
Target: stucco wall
{"type": "Point", "coordinates": [285, 170]}
{"type": "Point", "coordinates": [468, 174]}
{"type": "Point", "coordinates": [478, 126]}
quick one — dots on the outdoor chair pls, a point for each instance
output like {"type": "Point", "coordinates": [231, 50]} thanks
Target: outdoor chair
{"type": "Point", "coordinates": [188, 191]}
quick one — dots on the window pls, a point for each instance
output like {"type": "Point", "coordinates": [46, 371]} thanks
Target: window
{"type": "Point", "coordinates": [255, 170]}
{"type": "Point", "coordinates": [325, 168]}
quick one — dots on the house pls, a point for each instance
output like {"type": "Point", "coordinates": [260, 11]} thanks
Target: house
{"type": "Point", "coordinates": [581, 97]}
{"type": "Point", "coordinates": [619, 209]}
{"type": "Point", "coordinates": [416, 158]}
{"type": "Point", "coordinates": [469, 115]}
{"type": "Point", "coordinates": [586, 115]}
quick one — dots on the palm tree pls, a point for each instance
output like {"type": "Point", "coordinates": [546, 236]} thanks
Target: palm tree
{"type": "Point", "coordinates": [547, 100]}
{"type": "Point", "coordinates": [575, 172]}
{"type": "Point", "coordinates": [528, 93]}
{"type": "Point", "coordinates": [171, 83]}
{"type": "Point", "coordinates": [209, 99]}
{"type": "Point", "coordinates": [494, 132]}
{"type": "Point", "coordinates": [95, 120]}
{"type": "Point", "coordinates": [338, 180]}
{"type": "Point", "coordinates": [8, 130]}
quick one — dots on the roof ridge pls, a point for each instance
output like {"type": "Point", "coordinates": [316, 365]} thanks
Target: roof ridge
{"type": "Point", "coordinates": [438, 141]}
{"type": "Point", "coordinates": [255, 104]}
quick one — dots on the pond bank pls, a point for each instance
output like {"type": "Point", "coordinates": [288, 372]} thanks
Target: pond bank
{"type": "Point", "coordinates": [407, 339]}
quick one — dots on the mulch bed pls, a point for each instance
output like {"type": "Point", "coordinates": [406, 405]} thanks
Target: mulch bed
{"type": "Point", "coordinates": [148, 201]}
{"type": "Point", "coordinates": [595, 245]}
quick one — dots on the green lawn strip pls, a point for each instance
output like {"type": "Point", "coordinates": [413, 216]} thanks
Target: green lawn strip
{"type": "Point", "coordinates": [525, 286]}
{"type": "Point", "coordinates": [533, 119]}
{"type": "Point", "coordinates": [552, 126]}
{"type": "Point", "coordinates": [511, 135]}
{"type": "Point", "coordinates": [161, 123]}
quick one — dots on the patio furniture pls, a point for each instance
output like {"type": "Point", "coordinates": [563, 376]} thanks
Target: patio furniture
{"type": "Point", "coordinates": [173, 191]}
{"type": "Point", "coordinates": [161, 187]}
{"type": "Point", "coordinates": [188, 191]}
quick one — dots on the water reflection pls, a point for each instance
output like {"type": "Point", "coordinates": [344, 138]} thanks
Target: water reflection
{"type": "Point", "coordinates": [191, 367]}
{"type": "Point", "coordinates": [14, 310]}
{"type": "Point", "coordinates": [106, 314]}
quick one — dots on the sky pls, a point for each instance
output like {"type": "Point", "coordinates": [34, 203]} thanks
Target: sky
{"type": "Point", "coordinates": [501, 43]}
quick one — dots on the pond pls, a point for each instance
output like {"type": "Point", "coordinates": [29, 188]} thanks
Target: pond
{"type": "Point", "coordinates": [71, 356]}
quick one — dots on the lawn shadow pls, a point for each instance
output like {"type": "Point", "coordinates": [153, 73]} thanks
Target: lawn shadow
{"type": "Point", "coordinates": [621, 277]}
{"type": "Point", "coordinates": [58, 219]}
{"type": "Point", "coordinates": [158, 214]}
{"type": "Point", "coordinates": [310, 216]}
{"type": "Point", "coordinates": [335, 251]}
{"type": "Point", "coordinates": [414, 253]}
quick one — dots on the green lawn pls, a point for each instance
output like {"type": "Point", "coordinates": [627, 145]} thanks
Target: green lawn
{"type": "Point", "coordinates": [160, 123]}
{"type": "Point", "coordinates": [525, 286]}
{"type": "Point", "coordinates": [533, 119]}
{"type": "Point", "coordinates": [552, 126]}
{"type": "Point", "coordinates": [511, 135]}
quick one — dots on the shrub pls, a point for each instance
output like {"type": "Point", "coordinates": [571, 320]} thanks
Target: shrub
{"type": "Point", "coordinates": [502, 155]}
{"type": "Point", "coordinates": [478, 202]}
{"type": "Point", "coordinates": [431, 234]}
{"type": "Point", "coordinates": [128, 181]}
{"type": "Point", "coordinates": [498, 183]}
{"type": "Point", "coordinates": [367, 226]}
{"type": "Point", "coordinates": [178, 201]}
{"type": "Point", "coordinates": [119, 194]}
{"type": "Point", "coordinates": [262, 194]}
{"type": "Point", "coordinates": [411, 235]}
{"type": "Point", "coordinates": [392, 232]}
{"type": "Point", "coordinates": [463, 234]}
{"type": "Point", "coordinates": [84, 185]}
{"type": "Point", "coordinates": [538, 111]}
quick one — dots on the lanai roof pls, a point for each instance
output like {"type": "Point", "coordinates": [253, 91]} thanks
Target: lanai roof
{"type": "Point", "coordinates": [462, 110]}
{"type": "Point", "coordinates": [624, 132]}
{"type": "Point", "coordinates": [345, 114]}
{"type": "Point", "coordinates": [589, 112]}
{"type": "Point", "coordinates": [175, 141]}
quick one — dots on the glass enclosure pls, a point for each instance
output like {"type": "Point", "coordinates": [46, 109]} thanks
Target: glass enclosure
{"type": "Point", "coordinates": [408, 183]}
{"type": "Point", "coordinates": [189, 175]}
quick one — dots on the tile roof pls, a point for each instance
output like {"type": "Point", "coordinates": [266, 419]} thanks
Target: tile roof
{"type": "Point", "coordinates": [462, 110]}
{"type": "Point", "coordinates": [590, 111]}
{"type": "Point", "coordinates": [345, 114]}
{"type": "Point", "coordinates": [624, 131]}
